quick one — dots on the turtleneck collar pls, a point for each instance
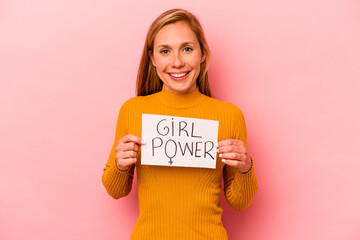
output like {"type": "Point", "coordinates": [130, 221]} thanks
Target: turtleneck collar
{"type": "Point", "coordinates": [185, 100]}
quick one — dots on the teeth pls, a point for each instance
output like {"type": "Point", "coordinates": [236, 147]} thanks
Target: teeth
{"type": "Point", "coordinates": [178, 75]}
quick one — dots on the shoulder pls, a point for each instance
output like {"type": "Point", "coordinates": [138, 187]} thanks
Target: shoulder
{"type": "Point", "coordinates": [138, 100]}
{"type": "Point", "coordinates": [226, 108]}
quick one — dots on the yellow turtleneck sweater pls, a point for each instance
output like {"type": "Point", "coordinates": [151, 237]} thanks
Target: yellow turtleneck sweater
{"type": "Point", "coordinates": [180, 202]}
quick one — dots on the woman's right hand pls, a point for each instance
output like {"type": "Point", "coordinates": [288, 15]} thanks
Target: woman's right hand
{"type": "Point", "coordinates": [126, 151]}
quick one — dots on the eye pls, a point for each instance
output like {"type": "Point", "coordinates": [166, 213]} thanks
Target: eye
{"type": "Point", "coordinates": [164, 51]}
{"type": "Point", "coordinates": [188, 49]}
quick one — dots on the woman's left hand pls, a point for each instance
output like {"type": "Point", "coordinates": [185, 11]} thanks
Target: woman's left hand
{"type": "Point", "coordinates": [233, 152]}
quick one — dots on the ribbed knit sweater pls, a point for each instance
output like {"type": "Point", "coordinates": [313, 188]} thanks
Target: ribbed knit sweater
{"type": "Point", "coordinates": [180, 202]}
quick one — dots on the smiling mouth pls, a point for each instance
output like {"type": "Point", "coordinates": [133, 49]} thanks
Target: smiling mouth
{"type": "Point", "coordinates": [179, 76]}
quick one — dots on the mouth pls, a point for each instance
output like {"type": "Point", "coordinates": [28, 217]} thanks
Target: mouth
{"type": "Point", "coordinates": [179, 76]}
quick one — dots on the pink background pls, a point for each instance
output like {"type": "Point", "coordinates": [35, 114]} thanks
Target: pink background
{"type": "Point", "coordinates": [293, 67]}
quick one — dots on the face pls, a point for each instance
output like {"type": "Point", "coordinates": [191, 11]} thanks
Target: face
{"type": "Point", "coordinates": [177, 57]}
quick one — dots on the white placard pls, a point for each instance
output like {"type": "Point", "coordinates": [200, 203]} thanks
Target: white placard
{"type": "Point", "coordinates": [179, 141]}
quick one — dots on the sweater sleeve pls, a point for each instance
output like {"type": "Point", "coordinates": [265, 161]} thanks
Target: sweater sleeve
{"type": "Point", "coordinates": [118, 183]}
{"type": "Point", "coordinates": [239, 188]}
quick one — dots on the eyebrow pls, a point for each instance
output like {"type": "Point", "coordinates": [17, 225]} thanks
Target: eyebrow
{"type": "Point", "coordinates": [182, 45]}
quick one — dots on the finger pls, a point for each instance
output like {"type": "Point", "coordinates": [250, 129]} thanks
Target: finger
{"type": "Point", "coordinates": [232, 156]}
{"type": "Point", "coordinates": [126, 162]}
{"type": "Point", "coordinates": [229, 149]}
{"type": "Point", "coordinates": [126, 154]}
{"type": "Point", "coordinates": [243, 149]}
{"type": "Point", "coordinates": [127, 146]}
{"type": "Point", "coordinates": [132, 138]}
{"type": "Point", "coordinates": [230, 142]}
{"type": "Point", "coordinates": [233, 163]}
{"type": "Point", "coordinates": [130, 161]}
{"type": "Point", "coordinates": [243, 157]}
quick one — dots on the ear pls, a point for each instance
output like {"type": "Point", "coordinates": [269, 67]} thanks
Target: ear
{"type": "Point", "coordinates": [152, 58]}
{"type": "Point", "coordinates": [203, 57]}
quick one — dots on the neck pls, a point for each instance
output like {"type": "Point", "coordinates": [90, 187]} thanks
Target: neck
{"type": "Point", "coordinates": [184, 100]}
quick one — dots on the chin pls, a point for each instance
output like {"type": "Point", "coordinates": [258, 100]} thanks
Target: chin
{"type": "Point", "coordinates": [182, 89]}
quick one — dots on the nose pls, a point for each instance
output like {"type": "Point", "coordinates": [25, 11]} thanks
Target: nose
{"type": "Point", "coordinates": [177, 61]}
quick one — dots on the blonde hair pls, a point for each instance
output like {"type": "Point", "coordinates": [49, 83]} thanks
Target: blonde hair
{"type": "Point", "coordinates": [148, 82]}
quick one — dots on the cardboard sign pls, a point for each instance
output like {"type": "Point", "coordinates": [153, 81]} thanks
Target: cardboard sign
{"type": "Point", "coordinates": [179, 141]}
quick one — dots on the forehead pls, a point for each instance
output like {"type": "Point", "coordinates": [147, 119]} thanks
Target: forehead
{"type": "Point", "coordinates": [175, 34]}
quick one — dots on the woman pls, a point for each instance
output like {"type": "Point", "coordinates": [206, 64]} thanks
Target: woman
{"type": "Point", "coordinates": [179, 202]}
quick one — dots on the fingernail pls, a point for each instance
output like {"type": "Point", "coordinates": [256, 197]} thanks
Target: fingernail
{"type": "Point", "coordinates": [143, 142]}
{"type": "Point", "coordinates": [220, 155]}
{"type": "Point", "coordinates": [217, 150]}
{"type": "Point", "coordinates": [223, 160]}
{"type": "Point", "coordinates": [216, 145]}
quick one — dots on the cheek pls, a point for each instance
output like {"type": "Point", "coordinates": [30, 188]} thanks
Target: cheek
{"type": "Point", "coordinates": [196, 64]}
{"type": "Point", "coordinates": [160, 68]}
{"type": "Point", "coordinates": [160, 65]}
{"type": "Point", "coordinates": [195, 61]}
